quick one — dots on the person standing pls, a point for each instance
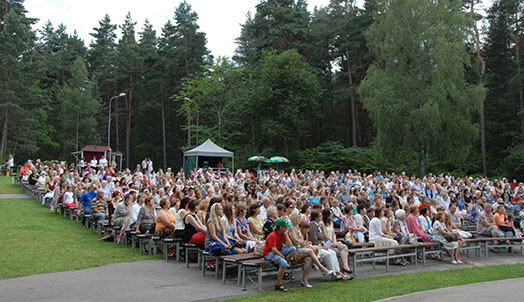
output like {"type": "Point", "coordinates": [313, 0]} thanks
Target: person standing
{"type": "Point", "coordinates": [85, 201]}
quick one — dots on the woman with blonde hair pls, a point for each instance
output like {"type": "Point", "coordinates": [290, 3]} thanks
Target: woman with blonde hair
{"type": "Point", "coordinates": [305, 251]}
{"type": "Point", "coordinates": [216, 239]}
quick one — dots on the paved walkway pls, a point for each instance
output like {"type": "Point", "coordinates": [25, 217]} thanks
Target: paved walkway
{"type": "Point", "coordinates": [502, 290]}
{"type": "Point", "coordinates": [11, 196]}
{"type": "Point", "coordinates": [157, 280]}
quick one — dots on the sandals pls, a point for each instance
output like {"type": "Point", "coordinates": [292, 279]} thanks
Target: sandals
{"type": "Point", "coordinates": [280, 288]}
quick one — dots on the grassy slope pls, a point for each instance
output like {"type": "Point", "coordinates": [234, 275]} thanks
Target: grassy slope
{"type": "Point", "coordinates": [7, 187]}
{"type": "Point", "coordinates": [372, 289]}
{"type": "Point", "coordinates": [34, 240]}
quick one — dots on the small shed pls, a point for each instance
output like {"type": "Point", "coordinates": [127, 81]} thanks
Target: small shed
{"type": "Point", "coordinates": [208, 153]}
{"type": "Point", "coordinates": [90, 152]}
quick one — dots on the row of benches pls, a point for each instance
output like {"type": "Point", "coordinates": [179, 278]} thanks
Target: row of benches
{"type": "Point", "coordinates": [252, 267]}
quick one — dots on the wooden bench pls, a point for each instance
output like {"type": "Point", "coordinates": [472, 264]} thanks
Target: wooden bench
{"type": "Point", "coordinates": [101, 226]}
{"type": "Point", "coordinates": [205, 258]}
{"type": "Point", "coordinates": [191, 248]}
{"type": "Point", "coordinates": [141, 238]}
{"type": "Point", "coordinates": [372, 254]}
{"type": "Point", "coordinates": [471, 244]}
{"type": "Point", "coordinates": [261, 268]}
{"type": "Point", "coordinates": [169, 242]}
{"type": "Point", "coordinates": [87, 220]}
{"type": "Point", "coordinates": [236, 260]}
{"type": "Point", "coordinates": [429, 248]}
{"type": "Point", "coordinates": [489, 242]}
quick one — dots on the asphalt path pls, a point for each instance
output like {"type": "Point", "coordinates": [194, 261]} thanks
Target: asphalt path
{"type": "Point", "coordinates": [158, 280]}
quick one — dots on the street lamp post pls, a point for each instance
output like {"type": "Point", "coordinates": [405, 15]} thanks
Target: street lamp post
{"type": "Point", "coordinates": [109, 118]}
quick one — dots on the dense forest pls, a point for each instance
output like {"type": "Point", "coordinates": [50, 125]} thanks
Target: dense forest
{"type": "Point", "coordinates": [414, 85]}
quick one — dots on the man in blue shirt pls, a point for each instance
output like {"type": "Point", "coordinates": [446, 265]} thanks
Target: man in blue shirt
{"type": "Point", "coordinates": [85, 201]}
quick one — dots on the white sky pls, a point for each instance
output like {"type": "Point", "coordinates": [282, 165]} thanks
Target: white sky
{"type": "Point", "coordinates": [219, 19]}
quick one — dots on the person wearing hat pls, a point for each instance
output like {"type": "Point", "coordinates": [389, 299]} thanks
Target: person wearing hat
{"type": "Point", "coordinates": [400, 227]}
{"type": "Point", "coordinates": [275, 251]}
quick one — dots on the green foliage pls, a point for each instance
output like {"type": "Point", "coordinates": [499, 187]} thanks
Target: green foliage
{"type": "Point", "coordinates": [19, 91]}
{"type": "Point", "coordinates": [277, 25]}
{"type": "Point", "coordinates": [503, 81]}
{"type": "Point", "coordinates": [333, 156]}
{"type": "Point", "coordinates": [212, 97]}
{"type": "Point", "coordinates": [284, 99]}
{"type": "Point", "coordinates": [415, 91]}
{"type": "Point", "coordinates": [514, 162]}
{"type": "Point", "coordinates": [78, 111]}
{"type": "Point", "coordinates": [297, 81]}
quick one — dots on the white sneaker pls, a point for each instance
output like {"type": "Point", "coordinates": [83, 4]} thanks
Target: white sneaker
{"type": "Point", "coordinates": [454, 262]}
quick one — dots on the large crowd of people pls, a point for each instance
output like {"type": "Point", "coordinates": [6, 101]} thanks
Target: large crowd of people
{"type": "Point", "coordinates": [288, 217]}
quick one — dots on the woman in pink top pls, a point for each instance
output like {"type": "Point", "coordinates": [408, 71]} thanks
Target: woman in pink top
{"type": "Point", "coordinates": [413, 226]}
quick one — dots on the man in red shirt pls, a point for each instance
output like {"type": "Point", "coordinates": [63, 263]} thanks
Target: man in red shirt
{"type": "Point", "coordinates": [274, 250]}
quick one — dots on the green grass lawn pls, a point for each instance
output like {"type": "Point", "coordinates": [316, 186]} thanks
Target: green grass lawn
{"type": "Point", "coordinates": [372, 289]}
{"type": "Point", "coordinates": [34, 240]}
{"type": "Point", "coordinates": [7, 187]}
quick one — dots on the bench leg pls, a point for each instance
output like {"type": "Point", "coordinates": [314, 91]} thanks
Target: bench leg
{"type": "Point", "coordinates": [239, 274]}
{"type": "Point", "coordinates": [487, 249]}
{"type": "Point", "coordinates": [217, 265]}
{"type": "Point", "coordinates": [164, 249]}
{"type": "Point", "coordinates": [354, 265]}
{"type": "Point", "coordinates": [243, 278]}
{"type": "Point", "coordinates": [423, 256]}
{"type": "Point", "coordinates": [199, 263]}
{"type": "Point", "coordinates": [260, 278]}
{"type": "Point", "coordinates": [204, 264]}
{"type": "Point", "coordinates": [416, 258]}
{"type": "Point", "coordinates": [133, 242]}
{"type": "Point", "coordinates": [140, 245]}
{"type": "Point", "coordinates": [223, 272]}
{"type": "Point", "coordinates": [187, 257]}
{"type": "Point", "coordinates": [387, 260]}
{"type": "Point", "coordinates": [177, 252]}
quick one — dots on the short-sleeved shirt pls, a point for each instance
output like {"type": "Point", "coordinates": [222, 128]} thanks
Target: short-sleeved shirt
{"type": "Point", "coordinates": [483, 218]}
{"type": "Point", "coordinates": [273, 240]}
{"type": "Point", "coordinates": [99, 204]}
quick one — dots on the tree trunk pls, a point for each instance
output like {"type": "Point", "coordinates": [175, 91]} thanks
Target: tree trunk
{"type": "Point", "coordinates": [3, 145]}
{"type": "Point", "coordinates": [517, 50]}
{"type": "Point", "coordinates": [253, 136]}
{"type": "Point", "coordinates": [189, 125]}
{"type": "Point", "coordinates": [164, 155]}
{"type": "Point", "coordinates": [219, 129]}
{"type": "Point", "coordinates": [76, 130]}
{"type": "Point", "coordinates": [164, 152]}
{"type": "Point", "coordinates": [117, 133]}
{"type": "Point", "coordinates": [128, 121]}
{"type": "Point", "coordinates": [481, 82]}
{"type": "Point", "coordinates": [128, 132]}
{"type": "Point", "coordinates": [422, 156]}
{"type": "Point", "coordinates": [353, 107]}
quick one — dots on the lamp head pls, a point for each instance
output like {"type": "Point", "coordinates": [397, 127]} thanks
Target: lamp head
{"type": "Point", "coordinates": [122, 94]}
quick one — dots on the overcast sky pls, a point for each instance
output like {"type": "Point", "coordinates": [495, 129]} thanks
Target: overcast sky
{"type": "Point", "coordinates": [219, 19]}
